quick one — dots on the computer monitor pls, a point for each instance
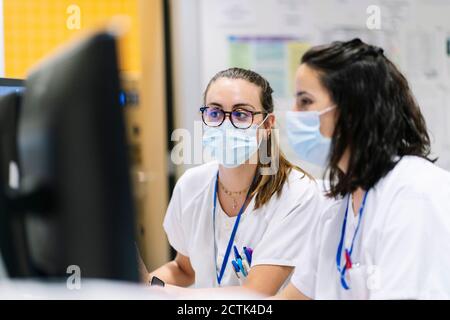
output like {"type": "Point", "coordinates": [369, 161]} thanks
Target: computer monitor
{"type": "Point", "coordinates": [75, 191]}
{"type": "Point", "coordinates": [10, 93]}
{"type": "Point", "coordinates": [9, 112]}
{"type": "Point", "coordinates": [12, 233]}
{"type": "Point", "coordinates": [8, 85]}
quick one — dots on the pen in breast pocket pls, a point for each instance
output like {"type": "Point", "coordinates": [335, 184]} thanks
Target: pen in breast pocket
{"type": "Point", "coordinates": [236, 253]}
{"type": "Point", "coordinates": [248, 254]}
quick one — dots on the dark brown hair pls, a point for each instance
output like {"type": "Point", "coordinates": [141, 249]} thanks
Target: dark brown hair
{"type": "Point", "coordinates": [379, 120]}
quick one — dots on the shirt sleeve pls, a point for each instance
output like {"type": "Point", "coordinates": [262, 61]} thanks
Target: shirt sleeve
{"type": "Point", "coordinates": [400, 264]}
{"type": "Point", "coordinates": [173, 223]}
{"type": "Point", "coordinates": [287, 232]}
{"type": "Point", "coordinates": [305, 274]}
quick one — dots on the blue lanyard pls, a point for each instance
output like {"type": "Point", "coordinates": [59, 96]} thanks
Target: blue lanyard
{"type": "Point", "coordinates": [233, 234]}
{"type": "Point", "coordinates": [341, 242]}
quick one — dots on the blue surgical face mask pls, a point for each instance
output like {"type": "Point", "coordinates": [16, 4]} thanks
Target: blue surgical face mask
{"type": "Point", "coordinates": [303, 130]}
{"type": "Point", "coordinates": [230, 146]}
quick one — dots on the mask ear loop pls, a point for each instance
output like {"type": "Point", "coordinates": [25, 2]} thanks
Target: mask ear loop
{"type": "Point", "coordinates": [326, 110]}
{"type": "Point", "coordinates": [264, 120]}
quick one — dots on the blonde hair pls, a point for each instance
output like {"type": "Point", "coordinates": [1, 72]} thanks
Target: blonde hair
{"type": "Point", "coordinates": [264, 186]}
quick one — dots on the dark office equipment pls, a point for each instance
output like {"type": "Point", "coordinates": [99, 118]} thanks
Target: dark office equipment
{"type": "Point", "coordinates": [75, 193]}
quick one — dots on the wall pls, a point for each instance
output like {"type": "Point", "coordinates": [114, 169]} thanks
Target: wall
{"type": "Point", "coordinates": [151, 118]}
{"type": "Point", "coordinates": [187, 65]}
{"type": "Point", "coordinates": [34, 28]}
{"type": "Point", "coordinates": [2, 49]}
{"type": "Point", "coordinates": [414, 33]}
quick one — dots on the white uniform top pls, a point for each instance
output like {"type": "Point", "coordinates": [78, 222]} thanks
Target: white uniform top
{"type": "Point", "coordinates": [276, 231]}
{"type": "Point", "coordinates": [402, 249]}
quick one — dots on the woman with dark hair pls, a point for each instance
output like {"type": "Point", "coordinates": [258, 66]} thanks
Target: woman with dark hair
{"type": "Point", "coordinates": [387, 236]}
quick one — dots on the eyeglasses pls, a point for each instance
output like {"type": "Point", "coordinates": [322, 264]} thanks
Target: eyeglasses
{"type": "Point", "coordinates": [240, 118]}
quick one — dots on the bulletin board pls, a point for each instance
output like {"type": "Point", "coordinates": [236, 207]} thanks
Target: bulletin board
{"type": "Point", "coordinates": [34, 28]}
{"type": "Point", "coordinates": [269, 36]}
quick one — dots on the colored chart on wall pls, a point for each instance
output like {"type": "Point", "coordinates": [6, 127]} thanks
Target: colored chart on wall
{"type": "Point", "coordinates": [276, 58]}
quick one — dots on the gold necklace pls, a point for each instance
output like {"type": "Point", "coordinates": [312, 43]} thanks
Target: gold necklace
{"type": "Point", "coordinates": [232, 194]}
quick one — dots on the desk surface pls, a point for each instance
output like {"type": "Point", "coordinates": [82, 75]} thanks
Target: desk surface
{"type": "Point", "coordinates": [111, 290]}
{"type": "Point", "coordinates": [90, 290]}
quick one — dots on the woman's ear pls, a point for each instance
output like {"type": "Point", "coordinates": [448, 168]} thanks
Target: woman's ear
{"type": "Point", "coordinates": [270, 121]}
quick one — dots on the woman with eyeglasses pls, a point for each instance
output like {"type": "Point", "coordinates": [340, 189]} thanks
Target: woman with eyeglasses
{"type": "Point", "coordinates": [388, 234]}
{"type": "Point", "coordinates": [240, 220]}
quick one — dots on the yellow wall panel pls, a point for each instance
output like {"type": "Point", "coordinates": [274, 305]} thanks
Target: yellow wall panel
{"type": "Point", "coordinates": [34, 28]}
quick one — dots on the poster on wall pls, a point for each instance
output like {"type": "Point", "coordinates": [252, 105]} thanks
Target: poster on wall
{"type": "Point", "coordinates": [275, 57]}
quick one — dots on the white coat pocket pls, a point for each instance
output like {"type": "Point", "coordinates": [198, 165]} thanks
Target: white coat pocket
{"type": "Point", "coordinates": [357, 277]}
